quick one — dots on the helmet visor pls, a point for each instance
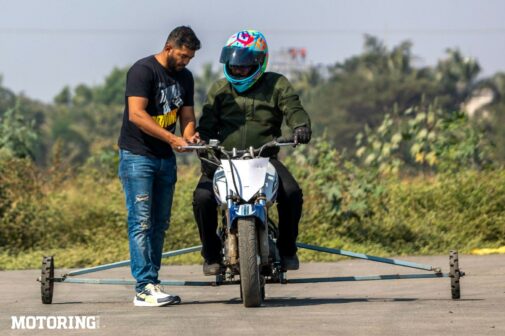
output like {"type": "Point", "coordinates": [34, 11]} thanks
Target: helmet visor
{"type": "Point", "coordinates": [241, 56]}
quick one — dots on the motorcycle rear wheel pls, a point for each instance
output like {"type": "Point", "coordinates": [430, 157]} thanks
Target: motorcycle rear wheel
{"type": "Point", "coordinates": [249, 268]}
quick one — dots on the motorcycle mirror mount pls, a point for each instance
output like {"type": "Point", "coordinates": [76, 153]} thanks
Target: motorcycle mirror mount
{"type": "Point", "coordinates": [213, 142]}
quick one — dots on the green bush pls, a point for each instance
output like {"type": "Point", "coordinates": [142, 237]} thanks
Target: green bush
{"type": "Point", "coordinates": [428, 214]}
{"type": "Point", "coordinates": [82, 220]}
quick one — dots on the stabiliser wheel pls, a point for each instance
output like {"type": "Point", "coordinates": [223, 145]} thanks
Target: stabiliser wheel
{"type": "Point", "coordinates": [46, 280]}
{"type": "Point", "coordinates": [283, 279]}
{"type": "Point", "coordinates": [455, 274]}
{"type": "Point", "coordinates": [262, 283]}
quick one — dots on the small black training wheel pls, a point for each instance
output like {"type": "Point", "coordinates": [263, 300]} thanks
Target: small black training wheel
{"type": "Point", "coordinates": [263, 282]}
{"type": "Point", "coordinates": [47, 280]}
{"type": "Point", "coordinates": [219, 279]}
{"type": "Point", "coordinates": [283, 279]}
{"type": "Point", "coordinates": [454, 274]}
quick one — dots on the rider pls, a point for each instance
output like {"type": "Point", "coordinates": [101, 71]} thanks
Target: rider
{"type": "Point", "coordinates": [246, 108]}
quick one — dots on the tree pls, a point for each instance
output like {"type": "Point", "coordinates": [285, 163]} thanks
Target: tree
{"type": "Point", "coordinates": [492, 114]}
{"type": "Point", "coordinates": [64, 97]}
{"type": "Point", "coordinates": [363, 88]}
{"type": "Point", "coordinates": [83, 95]}
{"type": "Point", "coordinates": [306, 80]}
{"type": "Point", "coordinates": [7, 97]}
{"type": "Point", "coordinates": [17, 136]}
{"type": "Point", "coordinates": [113, 90]}
{"type": "Point", "coordinates": [203, 81]}
{"type": "Point", "coordinates": [457, 76]}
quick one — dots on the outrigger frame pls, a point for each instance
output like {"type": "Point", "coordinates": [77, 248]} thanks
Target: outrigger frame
{"type": "Point", "coordinates": [47, 278]}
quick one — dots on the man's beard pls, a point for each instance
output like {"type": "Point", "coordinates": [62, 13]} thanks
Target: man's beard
{"type": "Point", "coordinates": [172, 65]}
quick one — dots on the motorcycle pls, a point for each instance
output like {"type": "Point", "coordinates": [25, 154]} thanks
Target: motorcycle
{"type": "Point", "coordinates": [245, 186]}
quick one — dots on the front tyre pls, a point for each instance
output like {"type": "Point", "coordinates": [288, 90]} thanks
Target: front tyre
{"type": "Point", "coordinates": [249, 268]}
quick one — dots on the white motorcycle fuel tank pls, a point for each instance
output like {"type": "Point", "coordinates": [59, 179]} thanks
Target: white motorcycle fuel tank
{"type": "Point", "coordinates": [250, 176]}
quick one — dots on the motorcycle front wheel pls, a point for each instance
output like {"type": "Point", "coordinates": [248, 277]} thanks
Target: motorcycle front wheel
{"type": "Point", "coordinates": [248, 257]}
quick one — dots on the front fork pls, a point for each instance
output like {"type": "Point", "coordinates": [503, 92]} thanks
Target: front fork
{"type": "Point", "coordinates": [258, 211]}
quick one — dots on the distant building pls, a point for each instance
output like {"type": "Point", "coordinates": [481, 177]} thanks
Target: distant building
{"type": "Point", "coordinates": [289, 61]}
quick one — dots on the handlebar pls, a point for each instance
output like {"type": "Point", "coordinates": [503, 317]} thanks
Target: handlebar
{"type": "Point", "coordinates": [279, 142]}
{"type": "Point", "coordinates": [214, 148]}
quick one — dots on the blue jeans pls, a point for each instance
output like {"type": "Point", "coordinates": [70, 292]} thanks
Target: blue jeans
{"type": "Point", "coordinates": [148, 184]}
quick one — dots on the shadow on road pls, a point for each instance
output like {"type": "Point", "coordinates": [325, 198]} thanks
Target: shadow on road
{"type": "Point", "coordinates": [294, 302]}
{"type": "Point", "coordinates": [279, 301]}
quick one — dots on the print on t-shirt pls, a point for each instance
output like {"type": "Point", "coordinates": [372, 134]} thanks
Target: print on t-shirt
{"type": "Point", "coordinates": [171, 100]}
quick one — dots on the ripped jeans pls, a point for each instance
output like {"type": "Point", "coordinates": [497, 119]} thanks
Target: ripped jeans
{"type": "Point", "coordinates": [148, 184]}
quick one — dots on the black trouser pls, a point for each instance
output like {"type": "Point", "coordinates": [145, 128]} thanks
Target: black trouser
{"type": "Point", "coordinates": [289, 205]}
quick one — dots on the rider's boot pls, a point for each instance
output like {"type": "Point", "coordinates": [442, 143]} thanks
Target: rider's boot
{"type": "Point", "coordinates": [290, 263]}
{"type": "Point", "coordinates": [212, 268]}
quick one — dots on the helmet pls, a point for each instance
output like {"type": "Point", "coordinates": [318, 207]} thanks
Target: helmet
{"type": "Point", "coordinates": [245, 48]}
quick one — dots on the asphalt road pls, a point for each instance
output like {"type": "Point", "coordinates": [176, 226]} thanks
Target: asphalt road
{"type": "Point", "coordinates": [389, 307]}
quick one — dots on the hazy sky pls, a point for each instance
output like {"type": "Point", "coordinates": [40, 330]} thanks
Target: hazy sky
{"type": "Point", "coordinates": [45, 45]}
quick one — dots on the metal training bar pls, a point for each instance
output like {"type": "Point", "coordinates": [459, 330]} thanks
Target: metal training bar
{"type": "Point", "coordinates": [127, 262]}
{"type": "Point", "coordinates": [369, 257]}
{"type": "Point", "coordinates": [133, 282]}
{"type": "Point", "coordinates": [369, 278]}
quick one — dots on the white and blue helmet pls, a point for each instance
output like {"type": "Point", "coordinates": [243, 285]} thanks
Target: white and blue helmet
{"type": "Point", "coordinates": [245, 48]}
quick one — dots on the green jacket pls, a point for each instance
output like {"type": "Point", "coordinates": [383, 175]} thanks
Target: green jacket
{"type": "Point", "coordinates": [251, 118]}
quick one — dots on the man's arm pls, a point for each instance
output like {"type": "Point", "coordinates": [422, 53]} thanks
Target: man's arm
{"type": "Point", "coordinates": [138, 115]}
{"type": "Point", "coordinates": [187, 122]}
{"type": "Point", "coordinates": [290, 105]}
{"type": "Point", "coordinates": [296, 117]}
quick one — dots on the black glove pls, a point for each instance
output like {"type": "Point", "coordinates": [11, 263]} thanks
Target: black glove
{"type": "Point", "coordinates": [302, 135]}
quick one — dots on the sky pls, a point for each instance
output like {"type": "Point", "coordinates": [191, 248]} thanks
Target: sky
{"type": "Point", "coordinates": [45, 45]}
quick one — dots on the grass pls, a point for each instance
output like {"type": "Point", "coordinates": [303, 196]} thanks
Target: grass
{"type": "Point", "coordinates": [82, 221]}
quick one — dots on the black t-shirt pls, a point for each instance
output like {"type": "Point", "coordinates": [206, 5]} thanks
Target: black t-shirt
{"type": "Point", "coordinates": [166, 92]}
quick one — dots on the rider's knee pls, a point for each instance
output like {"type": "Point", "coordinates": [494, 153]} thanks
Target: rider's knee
{"type": "Point", "coordinates": [203, 197]}
{"type": "Point", "coordinates": [294, 196]}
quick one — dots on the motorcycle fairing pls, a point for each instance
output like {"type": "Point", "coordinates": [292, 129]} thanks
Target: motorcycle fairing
{"type": "Point", "coordinates": [268, 181]}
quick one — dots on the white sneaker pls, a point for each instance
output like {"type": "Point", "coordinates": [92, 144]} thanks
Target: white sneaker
{"type": "Point", "coordinates": [153, 296]}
